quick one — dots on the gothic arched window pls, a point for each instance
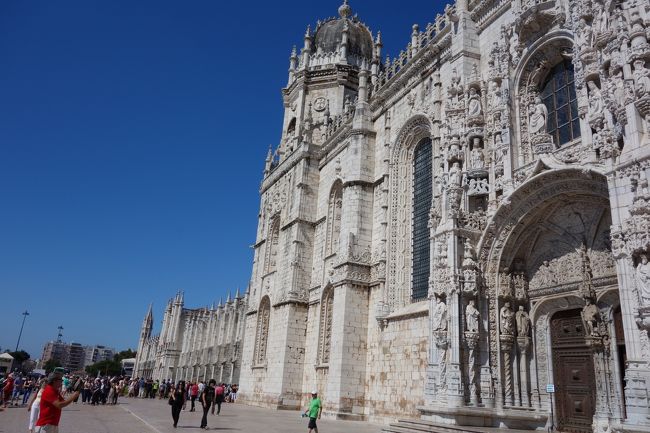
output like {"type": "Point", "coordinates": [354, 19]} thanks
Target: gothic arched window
{"type": "Point", "coordinates": [272, 244]}
{"type": "Point", "coordinates": [334, 219]}
{"type": "Point", "coordinates": [559, 95]}
{"type": "Point", "coordinates": [325, 337]}
{"type": "Point", "coordinates": [262, 332]}
{"type": "Point", "coordinates": [422, 195]}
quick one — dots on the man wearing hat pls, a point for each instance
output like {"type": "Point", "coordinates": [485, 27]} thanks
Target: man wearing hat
{"type": "Point", "coordinates": [313, 411]}
{"type": "Point", "coordinates": [52, 402]}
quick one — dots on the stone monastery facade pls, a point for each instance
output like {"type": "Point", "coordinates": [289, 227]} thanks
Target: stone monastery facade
{"type": "Point", "coordinates": [194, 344]}
{"type": "Point", "coordinates": [443, 234]}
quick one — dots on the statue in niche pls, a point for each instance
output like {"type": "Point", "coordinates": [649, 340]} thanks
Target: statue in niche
{"type": "Point", "coordinates": [591, 317]}
{"type": "Point", "coordinates": [643, 279]}
{"type": "Point", "coordinates": [477, 157]}
{"type": "Point", "coordinates": [523, 322]}
{"type": "Point", "coordinates": [596, 103]}
{"type": "Point", "coordinates": [474, 106]}
{"type": "Point", "coordinates": [507, 320]}
{"type": "Point", "coordinates": [584, 35]}
{"type": "Point", "coordinates": [439, 316]}
{"type": "Point", "coordinates": [601, 18]}
{"type": "Point", "coordinates": [455, 175]}
{"type": "Point", "coordinates": [455, 88]}
{"type": "Point", "coordinates": [538, 116]}
{"type": "Point", "coordinates": [495, 94]}
{"type": "Point", "coordinates": [641, 78]}
{"type": "Point", "coordinates": [545, 274]}
{"type": "Point", "coordinates": [472, 316]}
{"type": "Point", "coordinates": [618, 90]}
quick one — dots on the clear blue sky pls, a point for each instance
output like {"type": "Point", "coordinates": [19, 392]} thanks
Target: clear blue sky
{"type": "Point", "coordinates": [132, 143]}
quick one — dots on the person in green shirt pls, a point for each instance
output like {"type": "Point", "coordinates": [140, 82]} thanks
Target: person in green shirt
{"type": "Point", "coordinates": [313, 412]}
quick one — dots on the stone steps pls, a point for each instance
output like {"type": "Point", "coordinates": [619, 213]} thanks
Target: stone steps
{"type": "Point", "coordinates": [423, 426]}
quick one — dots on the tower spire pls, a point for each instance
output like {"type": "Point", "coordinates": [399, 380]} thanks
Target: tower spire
{"type": "Point", "coordinates": [345, 10]}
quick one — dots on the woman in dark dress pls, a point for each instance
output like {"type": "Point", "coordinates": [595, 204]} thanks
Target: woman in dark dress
{"type": "Point", "coordinates": [177, 400]}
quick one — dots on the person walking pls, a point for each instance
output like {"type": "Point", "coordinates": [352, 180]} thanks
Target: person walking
{"type": "Point", "coordinates": [34, 408]}
{"type": "Point", "coordinates": [8, 389]}
{"type": "Point", "coordinates": [194, 393]}
{"type": "Point", "coordinates": [177, 400]}
{"type": "Point", "coordinates": [51, 404]}
{"type": "Point", "coordinates": [207, 397]}
{"type": "Point", "coordinates": [219, 393]}
{"type": "Point", "coordinates": [313, 412]}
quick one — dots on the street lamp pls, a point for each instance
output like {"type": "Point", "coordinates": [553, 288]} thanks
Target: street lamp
{"type": "Point", "coordinates": [25, 314]}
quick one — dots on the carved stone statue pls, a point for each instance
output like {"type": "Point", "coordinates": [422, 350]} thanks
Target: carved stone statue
{"type": "Point", "coordinates": [591, 317]}
{"type": "Point", "coordinates": [455, 175]}
{"type": "Point", "coordinates": [495, 94]}
{"type": "Point", "coordinates": [439, 316]}
{"type": "Point", "coordinates": [506, 316]}
{"type": "Point", "coordinates": [523, 322]}
{"type": "Point", "coordinates": [643, 279]}
{"type": "Point", "coordinates": [474, 105]}
{"type": "Point", "coordinates": [478, 187]}
{"type": "Point", "coordinates": [477, 157]}
{"type": "Point", "coordinates": [641, 78]}
{"type": "Point", "coordinates": [538, 116]}
{"type": "Point", "coordinates": [601, 18]}
{"type": "Point", "coordinates": [584, 35]}
{"type": "Point", "coordinates": [471, 317]}
{"type": "Point", "coordinates": [596, 103]}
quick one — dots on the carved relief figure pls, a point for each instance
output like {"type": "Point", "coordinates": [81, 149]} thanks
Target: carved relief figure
{"type": "Point", "coordinates": [643, 279]}
{"type": "Point", "coordinates": [455, 175]}
{"type": "Point", "coordinates": [595, 101]}
{"type": "Point", "coordinates": [641, 77]}
{"type": "Point", "coordinates": [507, 320]}
{"type": "Point", "coordinates": [495, 94]}
{"type": "Point", "coordinates": [523, 322]}
{"type": "Point", "coordinates": [584, 35]}
{"type": "Point", "coordinates": [474, 106]}
{"type": "Point", "coordinates": [591, 317]}
{"type": "Point", "coordinates": [439, 316]}
{"type": "Point", "coordinates": [478, 159]}
{"type": "Point", "coordinates": [471, 316]}
{"type": "Point", "coordinates": [538, 116]}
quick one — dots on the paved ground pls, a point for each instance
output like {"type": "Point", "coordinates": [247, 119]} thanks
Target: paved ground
{"type": "Point", "coordinates": [154, 416]}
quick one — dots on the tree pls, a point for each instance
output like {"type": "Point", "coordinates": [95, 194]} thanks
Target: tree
{"type": "Point", "coordinates": [125, 354]}
{"type": "Point", "coordinates": [19, 356]}
{"type": "Point", "coordinates": [50, 365]}
{"type": "Point", "coordinates": [107, 367]}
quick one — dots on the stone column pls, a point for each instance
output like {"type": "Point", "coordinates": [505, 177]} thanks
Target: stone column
{"type": "Point", "coordinates": [506, 351]}
{"type": "Point", "coordinates": [600, 349]}
{"type": "Point", "coordinates": [472, 340]}
{"type": "Point", "coordinates": [524, 344]}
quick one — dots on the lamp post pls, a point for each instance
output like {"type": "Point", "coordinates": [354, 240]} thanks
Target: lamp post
{"type": "Point", "coordinates": [25, 314]}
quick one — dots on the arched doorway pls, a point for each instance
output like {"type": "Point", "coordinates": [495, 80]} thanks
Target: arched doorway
{"type": "Point", "coordinates": [545, 254]}
{"type": "Point", "coordinates": [573, 371]}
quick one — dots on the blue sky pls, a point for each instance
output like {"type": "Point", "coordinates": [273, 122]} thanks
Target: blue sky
{"type": "Point", "coordinates": [132, 143]}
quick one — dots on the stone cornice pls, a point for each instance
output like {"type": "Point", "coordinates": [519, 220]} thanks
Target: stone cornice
{"type": "Point", "coordinates": [284, 166]}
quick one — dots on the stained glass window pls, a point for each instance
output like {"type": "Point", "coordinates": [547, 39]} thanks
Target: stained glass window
{"type": "Point", "coordinates": [422, 195]}
{"type": "Point", "coordinates": [559, 96]}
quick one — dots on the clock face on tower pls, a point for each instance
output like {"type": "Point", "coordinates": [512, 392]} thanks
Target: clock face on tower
{"type": "Point", "coordinates": [320, 104]}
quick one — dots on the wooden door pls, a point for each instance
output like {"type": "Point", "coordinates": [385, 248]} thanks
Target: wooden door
{"type": "Point", "coordinates": [573, 370]}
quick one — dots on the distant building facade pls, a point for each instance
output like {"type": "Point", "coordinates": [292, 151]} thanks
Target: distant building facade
{"type": "Point", "coordinates": [194, 344]}
{"type": "Point", "coordinates": [75, 356]}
